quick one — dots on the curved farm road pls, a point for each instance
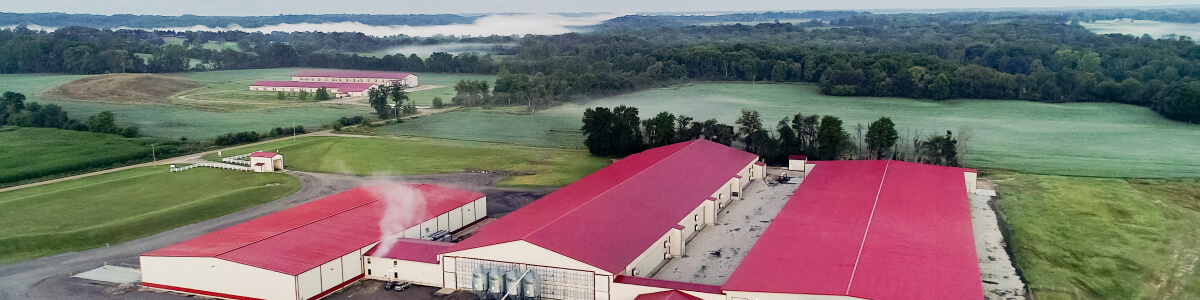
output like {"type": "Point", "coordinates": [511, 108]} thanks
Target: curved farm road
{"type": "Point", "coordinates": [49, 277]}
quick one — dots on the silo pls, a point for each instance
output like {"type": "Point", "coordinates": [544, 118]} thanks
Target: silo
{"type": "Point", "coordinates": [512, 283]}
{"type": "Point", "coordinates": [531, 286]}
{"type": "Point", "coordinates": [479, 281]}
{"type": "Point", "coordinates": [496, 284]}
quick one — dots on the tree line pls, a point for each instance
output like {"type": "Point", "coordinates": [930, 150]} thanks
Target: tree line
{"type": "Point", "coordinates": [15, 112]}
{"type": "Point", "coordinates": [619, 132]}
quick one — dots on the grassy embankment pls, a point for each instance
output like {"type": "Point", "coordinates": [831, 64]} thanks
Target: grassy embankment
{"type": "Point", "coordinates": [1104, 238]}
{"type": "Point", "coordinates": [524, 166]}
{"type": "Point", "coordinates": [122, 206]}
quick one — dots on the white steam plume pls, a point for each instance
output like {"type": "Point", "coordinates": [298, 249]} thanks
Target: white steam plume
{"type": "Point", "coordinates": [402, 204]}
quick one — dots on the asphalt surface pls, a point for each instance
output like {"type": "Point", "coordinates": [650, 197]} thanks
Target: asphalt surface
{"type": "Point", "coordinates": [49, 277]}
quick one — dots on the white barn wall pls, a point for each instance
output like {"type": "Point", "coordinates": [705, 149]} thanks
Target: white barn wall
{"type": "Point", "coordinates": [651, 258]}
{"type": "Point", "coordinates": [415, 272]}
{"type": "Point", "coordinates": [523, 252]}
{"type": "Point", "coordinates": [331, 274]}
{"type": "Point", "coordinates": [309, 283]}
{"type": "Point", "coordinates": [218, 276]}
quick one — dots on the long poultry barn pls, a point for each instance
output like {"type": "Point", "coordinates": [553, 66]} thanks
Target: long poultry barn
{"type": "Point", "coordinates": [311, 250]}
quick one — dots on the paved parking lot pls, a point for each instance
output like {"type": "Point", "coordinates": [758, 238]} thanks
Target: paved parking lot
{"type": "Point", "coordinates": [712, 255]}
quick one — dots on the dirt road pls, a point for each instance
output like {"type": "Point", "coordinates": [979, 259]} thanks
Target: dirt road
{"type": "Point", "coordinates": [49, 277]}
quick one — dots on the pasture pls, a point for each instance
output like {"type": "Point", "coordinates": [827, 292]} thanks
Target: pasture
{"type": "Point", "coordinates": [1103, 238]}
{"type": "Point", "coordinates": [174, 121]}
{"type": "Point", "coordinates": [524, 166]}
{"type": "Point", "coordinates": [122, 206]}
{"type": "Point", "coordinates": [1080, 139]}
{"type": "Point", "coordinates": [32, 153]}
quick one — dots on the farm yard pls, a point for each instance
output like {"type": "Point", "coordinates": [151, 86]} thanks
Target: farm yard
{"type": "Point", "coordinates": [1078, 139]}
{"type": "Point", "coordinates": [523, 166]}
{"type": "Point", "coordinates": [121, 206]}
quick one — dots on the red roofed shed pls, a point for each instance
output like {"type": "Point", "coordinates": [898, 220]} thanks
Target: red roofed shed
{"type": "Point", "coordinates": [302, 252]}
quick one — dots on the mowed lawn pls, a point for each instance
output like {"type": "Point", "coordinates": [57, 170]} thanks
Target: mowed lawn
{"type": "Point", "coordinates": [524, 166]}
{"type": "Point", "coordinates": [1099, 238]}
{"type": "Point", "coordinates": [122, 206]}
{"type": "Point", "coordinates": [29, 153]}
{"type": "Point", "coordinates": [1079, 139]}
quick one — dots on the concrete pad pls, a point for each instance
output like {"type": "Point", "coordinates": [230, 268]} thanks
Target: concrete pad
{"type": "Point", "coordinates": [112, 274]}
{"type": "Point", "coordinates": [734, 232]}
{"type": "Point", "coordinates": [1000, 280]}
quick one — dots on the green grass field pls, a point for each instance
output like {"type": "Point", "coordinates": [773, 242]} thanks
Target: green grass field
{"type": "Point", "coordinates": [122, 206]}
{"type": "Point", "coordinates": [525, 166]}
{"type": "Point", "coordinates": [1098, 238]}
{"type": "Point", "coordinates": [447, 81]}
{"type": "Point", "coordinates": [172, 121]}
{"type": "Point", "coordinates": [1085, 139]}
{"type": "Point", "coordinates": [28, 153]}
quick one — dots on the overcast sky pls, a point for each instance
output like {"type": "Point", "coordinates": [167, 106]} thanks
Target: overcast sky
{"type": "Point", "coordinates": [275, 7]}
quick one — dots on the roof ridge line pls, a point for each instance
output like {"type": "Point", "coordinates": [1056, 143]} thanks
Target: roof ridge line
{"type": "Point", "coordinates": [298, 226]}
{"type": "Point", "coordinates": [868, 229]}
{"type": "Point", "coordinates": [693, 142]}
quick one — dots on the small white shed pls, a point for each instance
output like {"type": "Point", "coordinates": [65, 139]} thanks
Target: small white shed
{"type": "Point", "coordinates": [266, 161]}
{"type": "Point", "coordinates": [796, 162]}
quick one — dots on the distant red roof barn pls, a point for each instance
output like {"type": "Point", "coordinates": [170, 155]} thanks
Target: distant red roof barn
{"type": "Point", "coordinates": [340, 86]}
{"type": "Point", "coordinates": [264, 154]}
{"type": "Point", "coordinates": [351, 74]}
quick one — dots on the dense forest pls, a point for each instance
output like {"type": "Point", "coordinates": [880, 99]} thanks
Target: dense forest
{"type": "Point", "coordinates": [1002, 55]}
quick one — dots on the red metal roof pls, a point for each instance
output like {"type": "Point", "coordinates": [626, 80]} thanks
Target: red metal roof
{"type": "Point", "coordinates": [666, 295]}
{"type": "Point", "coordinates": [797, 157]}
{"type": "Point", "coordinates": [872, 230]}
{"type": "Point", "coordinates": [412, 250]}
{"type": "Point", "coordinates": [760, 163]}
{"type": "Point", "coordinates": [341, 87]}
{"type": "Point", "coordinates": [351, 74]}
{"type": "Point", "coordinates": [263, 154]}
{"type": "Point", "coordinates": [259, 164]}
{"type": "Point", "coordinates": [610, 217]}
{"type": "Point", "coordinates": [304, 237]}
{"type": "Point", "coordinates": [667, 284]}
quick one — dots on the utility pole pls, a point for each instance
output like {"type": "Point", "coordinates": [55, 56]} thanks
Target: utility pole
{"type": "Point", "coordinates": [293, 132]}
{"type": "Point", "coordinates": [153, 158]}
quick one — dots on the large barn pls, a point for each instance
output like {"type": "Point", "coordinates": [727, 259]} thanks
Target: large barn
{"type": "Point", "coordinates": [336, 89]}
{"type": "Point", "coordinates": [311, 250]}
{"type": "Point", "coordinates": [374, 77]}
{"type": "Point", "coordinates": [850, 230]}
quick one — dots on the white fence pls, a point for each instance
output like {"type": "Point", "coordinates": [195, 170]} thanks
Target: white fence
{"type": "Point", "coordinates": [237, 159]}
{"type": "Point", "coordinates": [211, 165]}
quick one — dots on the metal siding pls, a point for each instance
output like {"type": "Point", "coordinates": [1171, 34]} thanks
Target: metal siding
{"type": "Point", "coordinates": [456, 219]}
{"type": "Point", "coordinates": [443, 222]}
{"type": "Point", "coordinates": [352, 265]}
{"type": "Point", "coordinates": [310, 283]}
{"type": "Point", "coordinates": [331, 274]}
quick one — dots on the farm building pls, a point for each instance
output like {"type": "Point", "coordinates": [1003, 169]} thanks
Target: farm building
{"type": "Point", "coordinates": [266, 161]}
{"type": "Point", "coordinates": [373, 77]}
{"type": "Point", "coordinates": [852, 230]}
{"type": "Point", "coordinates": [311, 250]}
{"type": "Point", "coordinates": [336, 89]}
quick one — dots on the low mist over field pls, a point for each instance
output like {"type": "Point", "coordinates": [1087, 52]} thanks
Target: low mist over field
{"type": "Point", "coordinates": [499, 24]}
